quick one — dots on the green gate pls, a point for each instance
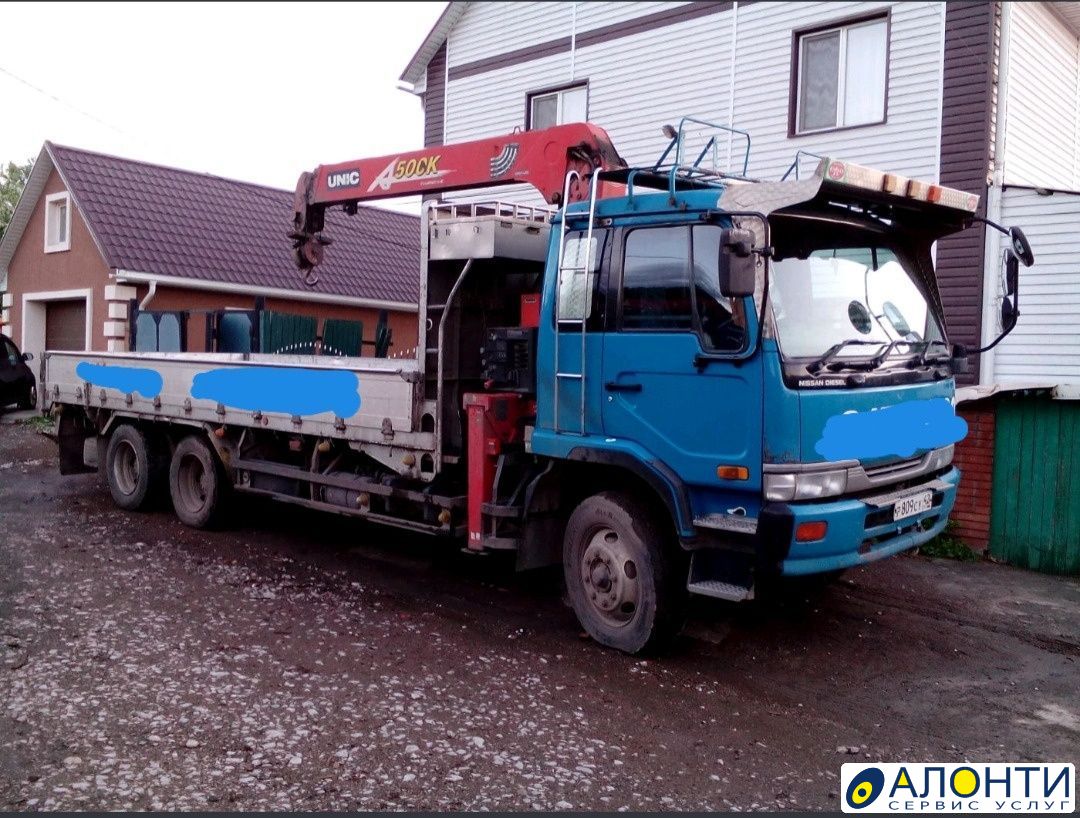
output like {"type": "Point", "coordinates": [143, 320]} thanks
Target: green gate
{"type": "Point", "coordinates": [1035, 513]}
{"type": "Point", "coordinates": [286, 333]}
{"type": "Point", "coordinates": [342, 337]}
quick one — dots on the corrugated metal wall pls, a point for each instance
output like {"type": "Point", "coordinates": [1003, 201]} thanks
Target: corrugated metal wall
{"type": "Point", "coordinates": [1046, 342]}
{"type": "Point", "coordinates": [1035, 515]}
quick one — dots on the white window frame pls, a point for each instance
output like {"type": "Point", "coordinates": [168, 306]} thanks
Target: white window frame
{"type": "Point", "coordinates": [558, 93]}
{"type": "Point", "coordinates": [51, 200]}
{"type": "Point", "coordinates": [841, 79]}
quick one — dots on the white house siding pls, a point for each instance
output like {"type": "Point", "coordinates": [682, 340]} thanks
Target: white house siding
{"type": "Point", "coordinates": [1043, 94]}
{"type": "Point", "coordinates": [1045, 346]}
{"type": "Point", "coordinates": [488, 29]}
{"type": "Point", "coordinates": [908, 141]}
{"type": "Point", "coordinates": [641, 81]}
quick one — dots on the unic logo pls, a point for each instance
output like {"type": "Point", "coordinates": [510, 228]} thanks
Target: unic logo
{"type": "Point", "coordinates": [344, 178]}
{"type": "Point", "coordinates": [993, 788]}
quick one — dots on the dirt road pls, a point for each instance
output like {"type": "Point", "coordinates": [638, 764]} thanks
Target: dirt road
{"type": "Point", "coordinates": [305, 662]}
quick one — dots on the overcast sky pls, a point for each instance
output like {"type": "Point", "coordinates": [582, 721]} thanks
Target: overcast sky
{"type": "Point", "coordinates": [258, 92]}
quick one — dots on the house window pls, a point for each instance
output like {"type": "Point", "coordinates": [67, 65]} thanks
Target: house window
{"type": "Point", "coordinates": [557, 107]}
{"type": "Point", "coordinates": [841, 76]}
{"type": "Point", "coordinates": [57, 222]}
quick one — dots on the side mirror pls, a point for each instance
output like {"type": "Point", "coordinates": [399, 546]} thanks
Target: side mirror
{"type": "Point", "coordinates": [737, 264]}
{"type": "Point", "coordinates": [896, 318]}
{"type": "Point", "coordinates": [1021, 246]}
{"type": "Point", "coordinates": [1009, 314]}
{"type": "Point", "coordinates": [28, 356]}
{"type": "Point", "coordinates": [1012, 274]}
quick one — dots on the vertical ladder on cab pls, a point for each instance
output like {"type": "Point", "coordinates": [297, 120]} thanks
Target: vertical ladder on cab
{"type": "Point", "coordinates": [574, 268]}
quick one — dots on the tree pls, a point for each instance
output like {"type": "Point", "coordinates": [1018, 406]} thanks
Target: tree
{"type": "Point", "coordinates": [12, 181]}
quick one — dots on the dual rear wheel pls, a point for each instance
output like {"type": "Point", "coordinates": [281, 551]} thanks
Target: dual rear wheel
{"type": "Point", "coordinates": [138, 466]}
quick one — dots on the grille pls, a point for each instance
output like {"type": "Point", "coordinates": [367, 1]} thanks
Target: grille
{"type": "Point", "coordinates": [892, 468]}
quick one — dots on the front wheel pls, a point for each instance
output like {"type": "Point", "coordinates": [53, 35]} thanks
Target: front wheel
{"type": "Point", "coordinates": [196, 483]}
{"type": "Point", "coordinates": [621, 573]}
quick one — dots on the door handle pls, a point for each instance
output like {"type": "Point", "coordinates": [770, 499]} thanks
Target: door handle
{"type": "Point", "coordinates": [615, 386]}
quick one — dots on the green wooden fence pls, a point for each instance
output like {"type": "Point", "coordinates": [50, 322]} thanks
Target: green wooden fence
{"type": "Point", "coordinates": [1035, 513]}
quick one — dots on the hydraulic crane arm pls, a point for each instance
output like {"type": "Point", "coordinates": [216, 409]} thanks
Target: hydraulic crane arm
{"type": "Point", "coordinates": [541, 158]}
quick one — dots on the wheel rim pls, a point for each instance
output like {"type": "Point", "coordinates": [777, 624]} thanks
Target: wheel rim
{"type": "Point", "coordinates": [610, 578]}
{"type": "Point", "coordinates": [192, 483]}
{"type": "Point", "coordinates": [126, 467]}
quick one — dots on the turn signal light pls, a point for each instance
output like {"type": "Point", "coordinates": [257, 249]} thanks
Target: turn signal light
{"type": "Point", "coordinates": [809, 532]}
{"type": "Point", "coordinates": [733, 472]}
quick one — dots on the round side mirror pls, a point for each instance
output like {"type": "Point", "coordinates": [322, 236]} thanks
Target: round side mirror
{"type": "Point", "coordinates": [896, 318]}
{"type": "Point", "coordinates": [1021, 246]}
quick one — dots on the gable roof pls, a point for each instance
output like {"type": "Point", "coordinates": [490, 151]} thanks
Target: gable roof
{"type": "Point", "coordinates": [416, 70]}
{"type": "Point", "coordinates": [157, 221]}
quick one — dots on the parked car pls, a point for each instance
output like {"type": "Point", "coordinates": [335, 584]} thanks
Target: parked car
{"type": "Point", "coordinates": [17, 383]}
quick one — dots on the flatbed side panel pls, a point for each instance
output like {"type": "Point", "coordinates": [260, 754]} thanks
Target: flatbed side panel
{"type": "Point", "coordinates": [361, 400]}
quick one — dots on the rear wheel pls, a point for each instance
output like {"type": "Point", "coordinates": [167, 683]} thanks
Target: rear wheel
{"type": "Point", "coordinates": [196, 484]}
{"type": "Point", "coordinates": [133, 468]}
{"type": "Point", "coordinates": [621, 575]}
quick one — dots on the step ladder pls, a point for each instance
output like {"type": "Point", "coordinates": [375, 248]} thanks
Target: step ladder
{"type": "Point", "coordinates": [573, 269]}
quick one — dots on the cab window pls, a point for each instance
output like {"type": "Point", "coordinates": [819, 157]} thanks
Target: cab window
{"type": "Point", "coordinates": [671, 283]}
{"type": "Point", "coordinates": [656, 280]}
{"type": "Point", "coordinates": [579, 295]}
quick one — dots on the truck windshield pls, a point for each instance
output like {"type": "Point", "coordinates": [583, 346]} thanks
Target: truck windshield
{"type": "Point", "coordinates": [861, 297]}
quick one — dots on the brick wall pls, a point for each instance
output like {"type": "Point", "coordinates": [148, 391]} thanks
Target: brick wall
{"type": "Point", "coordinates": [975, 459]}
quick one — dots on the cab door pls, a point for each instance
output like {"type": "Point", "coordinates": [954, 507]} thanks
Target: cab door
{"type": "Point", "coordinates": [678, 376]}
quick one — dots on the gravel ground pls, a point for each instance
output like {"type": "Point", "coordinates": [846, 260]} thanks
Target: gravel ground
{"type": "Point", "coordinates": [301, 661]}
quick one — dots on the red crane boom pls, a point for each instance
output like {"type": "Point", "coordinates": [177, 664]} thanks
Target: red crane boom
{"type": "Point", "coordinates": [541, 158]}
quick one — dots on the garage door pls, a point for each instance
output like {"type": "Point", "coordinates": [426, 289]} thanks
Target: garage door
{"type": "Point", "coordinates": [65, 325]}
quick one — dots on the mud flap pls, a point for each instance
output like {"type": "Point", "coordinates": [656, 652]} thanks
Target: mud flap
{"type": "Point", "coordinates": [71, 436]}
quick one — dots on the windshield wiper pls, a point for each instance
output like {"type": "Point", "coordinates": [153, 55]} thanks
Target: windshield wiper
{"type": "Point", "coordinates": [879, 359]}
{"type": "Point", "coordinates": [818, 364]}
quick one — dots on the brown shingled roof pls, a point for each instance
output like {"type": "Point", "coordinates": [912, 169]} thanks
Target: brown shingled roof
{"type": "Point", "coordinates": [170, 222]}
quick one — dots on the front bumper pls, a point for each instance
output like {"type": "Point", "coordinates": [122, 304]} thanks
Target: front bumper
{"type": "Point", "coordinates": [857, 534]}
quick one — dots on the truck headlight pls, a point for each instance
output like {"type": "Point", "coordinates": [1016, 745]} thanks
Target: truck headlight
{"type": "Point", "coordinates": [940, 458]}
{"type": "Point", "coordinates": [783, 487]}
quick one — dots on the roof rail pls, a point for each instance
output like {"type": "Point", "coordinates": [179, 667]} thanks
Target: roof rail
{"type": "Point", "coordinates": [694, 170]}
{"type": "Point", "coordinates": [794, 166]}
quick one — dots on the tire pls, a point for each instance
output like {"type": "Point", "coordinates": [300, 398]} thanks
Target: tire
{"type": "Point", "coordinates": [133, 468]}
{"type": "Point", "coordinates": [623, 574]}
{"type": "Point", "coordinates": [29, 398]}
{"type": "Point", "coordinates": [196, 483]}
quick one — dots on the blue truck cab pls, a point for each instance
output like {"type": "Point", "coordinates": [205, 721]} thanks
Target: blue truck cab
{"type": "Point", "coordinates": [798, 422]}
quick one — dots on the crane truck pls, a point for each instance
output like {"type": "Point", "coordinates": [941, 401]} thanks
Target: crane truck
{"type": "Point", "coordinates": [676, 380]}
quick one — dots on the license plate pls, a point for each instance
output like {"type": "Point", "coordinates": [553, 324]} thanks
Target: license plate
{"type": "Point", "coordinates": [915, 504]}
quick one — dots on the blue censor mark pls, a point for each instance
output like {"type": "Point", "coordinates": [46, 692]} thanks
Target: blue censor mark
{"type": "Point", "coordinates": [290, 390]}
{"type": "Point", "coordinates": [147, 382]}
{"type": "Point", "coordinates": [895, 431]}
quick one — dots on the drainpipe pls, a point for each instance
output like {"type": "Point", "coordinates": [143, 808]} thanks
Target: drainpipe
{"type": "Point", "coordinates": [731, 78]}
{"type": "Point", "coordinates": [149, 296]}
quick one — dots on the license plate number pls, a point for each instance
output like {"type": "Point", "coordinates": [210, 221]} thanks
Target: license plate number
{"type": "Point", "coordinates": [915, 504]}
